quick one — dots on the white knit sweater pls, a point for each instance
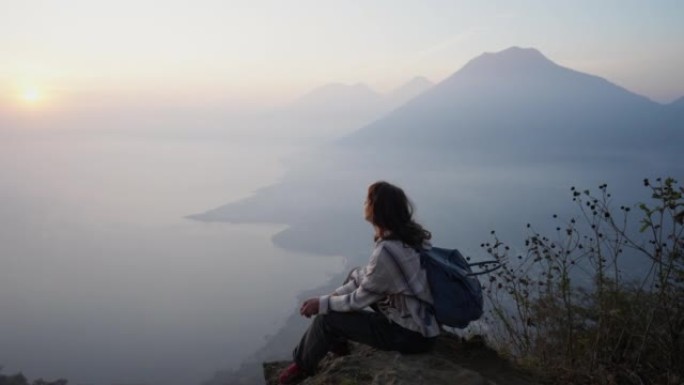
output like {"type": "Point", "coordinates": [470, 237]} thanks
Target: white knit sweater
{"type": "Point", "coordinates": [395, 281]}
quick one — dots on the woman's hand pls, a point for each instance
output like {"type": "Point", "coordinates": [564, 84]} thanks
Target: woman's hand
{"type": "Point", "coordinates": [309, 307]}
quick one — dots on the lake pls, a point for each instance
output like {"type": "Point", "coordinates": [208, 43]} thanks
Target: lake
{"type": "Point", "coordinates": [102, 279]}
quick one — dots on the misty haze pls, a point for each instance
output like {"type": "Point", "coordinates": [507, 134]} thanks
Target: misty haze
{"type": "Point", "coordinates": [170, 194]}
{"type": "Point", "coordinates": [102, 267]}
{"type": "Point", "coordinates": [105, 281]}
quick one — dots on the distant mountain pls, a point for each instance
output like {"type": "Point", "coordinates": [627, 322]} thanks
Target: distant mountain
{"type": "Point", "coordinates": [518, 102]}
{"type": "Point", "coordinates": [514, 109]}
{"type": "Point", "coordinates": [679, 103]}
{"type": "Point", "coordinates": [512, 115]}
{"type": "Point", "coordinates": [409, 90]}
{"type": "Point", "coordinates": [337, 96]}
{"type": "Point", "coordinates": [675, 117]}
{"type": "Point", "coordinates": [336, 109]}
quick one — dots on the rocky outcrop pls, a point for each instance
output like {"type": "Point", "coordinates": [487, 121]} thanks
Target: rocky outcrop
{"type": "Point", "coordinates": [453, 361]}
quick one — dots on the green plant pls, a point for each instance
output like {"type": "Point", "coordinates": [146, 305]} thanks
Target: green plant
{"type": "Point", "coordinates": [565, 308]}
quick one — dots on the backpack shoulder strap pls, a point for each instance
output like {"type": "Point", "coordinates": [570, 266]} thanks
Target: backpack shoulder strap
{"type": "Point", "coordinates": [485, 266]}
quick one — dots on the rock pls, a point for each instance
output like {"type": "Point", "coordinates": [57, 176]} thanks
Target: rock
{"type": "Point", "coordinates": [452, 361]}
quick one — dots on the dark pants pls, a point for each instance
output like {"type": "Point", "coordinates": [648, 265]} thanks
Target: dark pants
{"type": "Point", "coordinates": [369, 328]}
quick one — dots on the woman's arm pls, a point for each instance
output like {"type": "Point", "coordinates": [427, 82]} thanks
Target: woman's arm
{"type": "Point", "coordinates": [373, 285]}
{"type": "Point", "coordinates": [312, 305]}
{"type": "Point", "coordinates": [351, 283]}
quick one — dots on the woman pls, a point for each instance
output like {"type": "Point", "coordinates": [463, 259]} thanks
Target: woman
{"type": "Point", "coordinates": [392, 283]}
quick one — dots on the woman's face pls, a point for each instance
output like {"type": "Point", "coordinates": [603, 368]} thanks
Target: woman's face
{"type": "Point", "coordinates": [367, 210]}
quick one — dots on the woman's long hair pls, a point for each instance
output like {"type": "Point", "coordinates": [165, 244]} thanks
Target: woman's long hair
{"type": "Point", "coordinates": [389, 210]}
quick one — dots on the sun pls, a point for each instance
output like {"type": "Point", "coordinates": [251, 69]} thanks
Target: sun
{"type": "Point", "coordinates": [31, 95]}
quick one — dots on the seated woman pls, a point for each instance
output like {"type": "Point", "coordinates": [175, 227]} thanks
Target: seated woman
{"type": "Point", "coordinates": [393, 284]}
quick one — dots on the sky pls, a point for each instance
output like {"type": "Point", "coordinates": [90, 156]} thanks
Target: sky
{"type": "Point", "coordinates": [93, 53]}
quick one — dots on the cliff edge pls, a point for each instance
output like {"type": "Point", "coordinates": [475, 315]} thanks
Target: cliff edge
{"type": "Point", "coordinates": [452, 361]}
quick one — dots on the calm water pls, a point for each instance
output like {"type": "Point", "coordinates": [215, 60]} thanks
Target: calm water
{"type": "Point", "coordinates": [102, 281]}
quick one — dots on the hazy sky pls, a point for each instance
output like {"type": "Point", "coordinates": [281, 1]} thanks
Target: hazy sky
{"type": "Point", "coordinates": [75, 52]}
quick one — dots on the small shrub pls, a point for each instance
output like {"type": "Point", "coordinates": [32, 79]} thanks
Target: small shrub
{"type": "Point", "coordinates": [564, 308]}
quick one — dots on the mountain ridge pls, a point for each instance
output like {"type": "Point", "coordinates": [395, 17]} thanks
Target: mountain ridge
{"type": "Point", "coordinates": [342, 92]}
{"type": "Point", "coordinates": [678, 103]}
{"type": "Point", "coordinates": [338, 92]}
{"type": "Point", "coordinates": [521, 97]}
{"type": "Point", "coordinates": [334, 109]}
{"type": "Point", "coordinates": [410, 89]}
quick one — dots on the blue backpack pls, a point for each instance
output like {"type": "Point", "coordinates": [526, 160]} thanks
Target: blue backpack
{"type": "Point", "coordinates": [456, 292]}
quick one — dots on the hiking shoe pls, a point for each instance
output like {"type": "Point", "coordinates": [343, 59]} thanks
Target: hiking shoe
{"type": "Point", "coordinates": [291, 375]}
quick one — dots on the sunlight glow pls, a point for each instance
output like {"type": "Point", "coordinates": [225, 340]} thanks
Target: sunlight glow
{"type": "Point", "coordinates": [31, 95]}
